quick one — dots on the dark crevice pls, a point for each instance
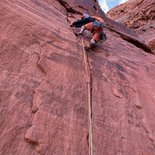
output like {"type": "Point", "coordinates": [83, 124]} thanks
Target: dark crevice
{"type": "Point", "coordinates": [70, 10]}
{"type": "Point", "coordinates": [132, 40]}
{"type": "Point", "coordinates": [31, 141]}
{"type": "Point", "coordinates": [68, 7]}
{"type": "Point", "coordinates": [138, 44]}
{"type": "Point", "coordinates": [95, 8]}
{"type": "Point", "coordinates": [40, 65]}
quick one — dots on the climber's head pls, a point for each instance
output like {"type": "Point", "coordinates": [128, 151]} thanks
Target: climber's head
{"type": "Point", "coordinates": [85, 15]}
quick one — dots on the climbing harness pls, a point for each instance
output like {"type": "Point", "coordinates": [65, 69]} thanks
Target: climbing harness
{"type": "Point", "coordinates": [89, 93]}
{"type": "Point", "coordinates": [98, 24]}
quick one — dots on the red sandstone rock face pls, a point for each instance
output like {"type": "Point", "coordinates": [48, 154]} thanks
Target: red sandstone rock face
{"type": "Point", "coordinates": [43, 85]}
{"type": "Point", "coordinates": [142, 12]}
{"type": "Point", "coordinates": [152, 45]}
{"type": "Point", "coordinates": [141, 18]}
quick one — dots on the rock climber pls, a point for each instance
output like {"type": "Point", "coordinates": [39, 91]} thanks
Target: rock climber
{"type": "Point", "coordinates": [85, 18]}
{"type": "Point", "coordinates": [93, 24]}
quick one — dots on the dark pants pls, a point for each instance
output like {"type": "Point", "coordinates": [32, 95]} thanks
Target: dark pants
{"type": "Point", "coordinates": [82, 22]}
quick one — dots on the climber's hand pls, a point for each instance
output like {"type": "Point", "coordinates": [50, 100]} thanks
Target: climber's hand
{"type": "Point", "coordinates": [78, 33]}
{"type": "Point", "coordinates": [71, 25]}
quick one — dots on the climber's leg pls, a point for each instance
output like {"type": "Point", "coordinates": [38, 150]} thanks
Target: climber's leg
{"type": "Point", "coordinates": [94, 40]}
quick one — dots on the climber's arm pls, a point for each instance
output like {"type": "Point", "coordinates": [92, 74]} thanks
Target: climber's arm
{"type": "Point", "coordinates": [81, 30]}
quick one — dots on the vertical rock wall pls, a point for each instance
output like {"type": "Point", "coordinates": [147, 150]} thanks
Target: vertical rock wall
{"type": "Point", "coordinates": [43, 84]}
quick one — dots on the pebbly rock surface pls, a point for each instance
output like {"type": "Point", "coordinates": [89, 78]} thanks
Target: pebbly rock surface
{"type": "Point", "coordinates": [44, 79]}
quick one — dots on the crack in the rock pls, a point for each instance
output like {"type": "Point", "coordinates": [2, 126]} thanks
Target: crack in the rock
{"type": "Point", "coordinates": [132, 40]}
{"type": "Point", "coordinates": [138, 44]}
{"type": "Point", "coordinates": [31, 141]}
{"type": "Point", "coordinates": [39, 65]}
{"type": "Point", "coordinates": [89, 98]}
{"type": "Point", "coordinates": [35, 107]}
{"type": "Point", "coordinates": [68, 7]}
{"type": "Point", "coordinates": [138, 3]}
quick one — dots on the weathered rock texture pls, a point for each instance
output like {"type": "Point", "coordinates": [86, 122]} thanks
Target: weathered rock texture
{"type": "Point", "coordinates": [138, 15]}
{"type": "Point", "coordinates": [43, 84]}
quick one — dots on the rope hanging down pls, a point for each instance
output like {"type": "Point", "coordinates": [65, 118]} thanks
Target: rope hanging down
{"type": "Point", "coordinates": [89, 92]}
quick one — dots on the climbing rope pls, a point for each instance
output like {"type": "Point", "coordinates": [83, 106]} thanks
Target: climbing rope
{"type": "Point", "coordinates": [89, 89]}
